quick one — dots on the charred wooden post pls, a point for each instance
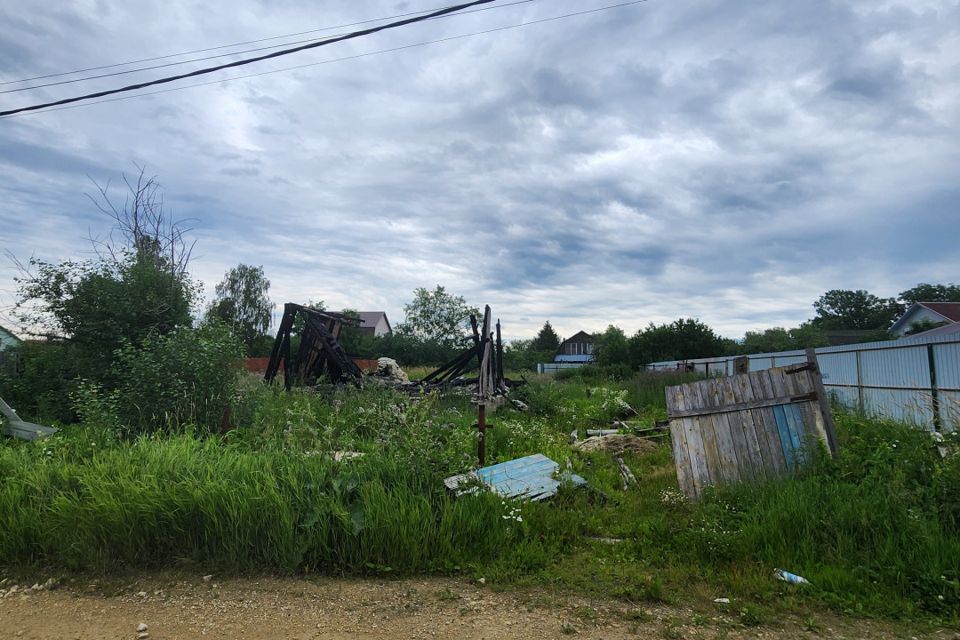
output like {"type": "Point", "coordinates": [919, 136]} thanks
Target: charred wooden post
{"type": "Point", "coordinates": [482, 440]}
{"type": "Point", "coordinates": [501, 385]}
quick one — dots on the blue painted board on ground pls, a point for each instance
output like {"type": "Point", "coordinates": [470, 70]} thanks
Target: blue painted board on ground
{"type": "Point", "coordinates": [530, 478]}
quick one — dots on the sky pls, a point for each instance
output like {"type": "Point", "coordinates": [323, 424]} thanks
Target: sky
{"type": "Point", "coordinates": [723, 160]}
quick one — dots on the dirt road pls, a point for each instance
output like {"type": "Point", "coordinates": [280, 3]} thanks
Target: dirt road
{"type": "Point", "coordinates": [187, 606]}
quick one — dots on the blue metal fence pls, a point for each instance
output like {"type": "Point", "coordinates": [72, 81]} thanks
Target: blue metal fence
{"type": "Point", "coordinates": [913, 380]}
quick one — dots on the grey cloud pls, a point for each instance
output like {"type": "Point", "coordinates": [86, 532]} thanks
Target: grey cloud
{"type": "Point", "coordinates": [728, 162]}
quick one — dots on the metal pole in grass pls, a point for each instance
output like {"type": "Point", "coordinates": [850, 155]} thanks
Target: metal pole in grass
{"type": "Point", "coordinates": [482, 428]}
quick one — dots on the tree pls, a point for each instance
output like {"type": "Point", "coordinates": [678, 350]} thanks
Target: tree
{"type": "Point", "coordinates": [923, 325]}
{"type": "Point", "coordinates": [780, 339]}
{"type": "Point", "coordinates": [99, 305]}
{"type": "Point", "coordinates": [682, 339]}
{"type": "Point", "coordinates": [138, 283]}
{"type": "Point", "coordinates": [546, 340]}
{"type": "Point", "coordinates": [931, 293]}
{"type": "Point", "coordinates": [839, 309]}
{"type": "Point", "coordinates": [438, 316]}
{"type": "Point", "coordinates": [243, 304]}
{"type": "Point", "coordinates": [611, 347]}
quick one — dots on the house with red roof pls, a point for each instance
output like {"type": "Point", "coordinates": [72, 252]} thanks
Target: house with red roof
{"type": "Point", "coordinates": [928, 315]}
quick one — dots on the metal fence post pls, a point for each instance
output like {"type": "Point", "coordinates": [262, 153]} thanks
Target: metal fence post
{"type": "Point", "coordinates": [860, 403]}
{"type": "Point", "coordinates": [934, 395]}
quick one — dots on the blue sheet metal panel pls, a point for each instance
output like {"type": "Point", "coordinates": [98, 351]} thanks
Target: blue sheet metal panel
{"type": "Point", "coordinates": [907, 368]}
{"type": "Point", "coordinates": [902, 405]}
{"type": "Point", "coordinates": [847, 396]}
{"type": "Point", "coordinates": [759, 364]}
{"type": "Point", "coordinates": [946, 357]}
{"type": "Point", "coordinates": [838, 368]}
{"type": "Point", "coordinates": [529, 477]}
{"type": "Point", "coordinates": [950, 410]}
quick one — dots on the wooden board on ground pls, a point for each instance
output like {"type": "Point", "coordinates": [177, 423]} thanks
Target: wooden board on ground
{"type": "Point", "coordinates": [535, 477]}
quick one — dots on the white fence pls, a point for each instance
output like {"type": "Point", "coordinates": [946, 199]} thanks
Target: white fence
{"type": "Point", "coordinates": [553, 367]}
{"type": "Point", "coordinates": [913, 380]}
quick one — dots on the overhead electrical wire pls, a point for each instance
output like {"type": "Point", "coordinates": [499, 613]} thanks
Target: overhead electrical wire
{"type": "Point", "coordinates": [345, 58]}
{"type": "Point", "coordinates": [239, 63]}
{"type": "Point", "coordinates": [222, 55]}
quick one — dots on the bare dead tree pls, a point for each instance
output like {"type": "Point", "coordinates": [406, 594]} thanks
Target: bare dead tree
{"type": "Point", "coordinates": [142, 225]}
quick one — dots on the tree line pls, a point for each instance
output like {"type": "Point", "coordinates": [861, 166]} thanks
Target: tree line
{"type": "Point", "coordinates": [124, 325]}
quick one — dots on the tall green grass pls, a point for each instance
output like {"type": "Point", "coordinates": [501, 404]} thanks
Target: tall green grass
{"type": "Point", "coordinates": [156, 501]}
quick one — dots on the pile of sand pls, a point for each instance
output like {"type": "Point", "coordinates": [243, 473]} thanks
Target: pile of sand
{"type": "Point", "coordinates": [617, 444]}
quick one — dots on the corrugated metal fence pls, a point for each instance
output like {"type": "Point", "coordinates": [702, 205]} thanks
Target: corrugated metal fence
{"type": "Point", "coordinates": [913, 380]}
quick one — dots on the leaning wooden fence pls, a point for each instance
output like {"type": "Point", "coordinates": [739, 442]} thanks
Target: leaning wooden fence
{"type": "Point", "coordinates": [747, 427]}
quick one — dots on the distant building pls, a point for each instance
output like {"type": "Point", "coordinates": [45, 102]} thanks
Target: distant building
{"type": "Point", "coordinates": [933, 313]}
{"type": "Point", "coordinates": [575, 351]}
{"type": "Point", "coordinates": [374, 323]}
{"type": "Point", "coordinates": [576, 348]}
{"type": "Point", "coordinates": [7, 339]}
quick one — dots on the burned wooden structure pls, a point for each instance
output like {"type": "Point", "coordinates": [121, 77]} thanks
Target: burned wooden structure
{"type": "Point", "coordinates": [487, 349]}
{"type": "Point", "coordinates": [318, 353]}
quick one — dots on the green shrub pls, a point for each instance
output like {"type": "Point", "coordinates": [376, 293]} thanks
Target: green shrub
{"type": "Point", "coordinates": [40, 383]}
{"type": "Point", "coordinates": [184, 378]}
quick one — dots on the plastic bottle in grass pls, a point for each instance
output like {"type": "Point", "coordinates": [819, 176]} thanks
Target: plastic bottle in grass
{"type": "Point", "coordinates": [792, 578]}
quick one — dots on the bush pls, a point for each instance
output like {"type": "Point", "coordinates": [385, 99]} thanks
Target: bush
{"type": "Point", "coordinates": [40, 380]}
{"type": "Point", "coordinates": [596, 373]}
{"type": "Point", "coordinates": [184, 378]}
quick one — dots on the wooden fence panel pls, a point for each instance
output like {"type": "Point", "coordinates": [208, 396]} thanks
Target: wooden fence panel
{"type": "Point", "coordinates": [747, 427]}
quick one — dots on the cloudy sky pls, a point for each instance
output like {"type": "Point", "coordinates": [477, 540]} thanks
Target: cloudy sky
{"type": "Point", "coordinates": [725, 160]}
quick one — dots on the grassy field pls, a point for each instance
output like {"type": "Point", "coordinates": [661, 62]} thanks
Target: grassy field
{"type": "Point", "coordinates": [876, 530]}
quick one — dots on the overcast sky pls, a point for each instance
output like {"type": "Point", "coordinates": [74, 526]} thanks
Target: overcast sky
{"type": "Point", "coordinates": [728, 161]}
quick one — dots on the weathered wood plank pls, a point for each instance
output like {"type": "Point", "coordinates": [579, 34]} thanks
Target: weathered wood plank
{"type": "Point", "coordinates": [681, 450]}
{"type": "Point", "coordinates": [830, 430]}
{"type": "Point", "coordinates": [726, 447]}
{"type": "Point", "coordinates": [741, 393]}
{"type": "Point", "coordinates": [807, 415]}
{"type": "Point", "coordinates": [767, 425]}
{"type": "Point", "coordinates": [695, 440]}
{"type": "Point", "coordinates": [738, 437]}
{"type": "Point", "coordinates": [702, 431]}
{"type": "Point", "coordinates": [786, 441]}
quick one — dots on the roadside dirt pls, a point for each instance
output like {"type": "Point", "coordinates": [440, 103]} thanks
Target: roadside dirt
{"type": "Point", "coordinates": [188, 606]}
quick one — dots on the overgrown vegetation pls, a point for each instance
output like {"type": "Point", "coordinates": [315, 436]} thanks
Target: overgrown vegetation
{"type": "Point", "coordinates": [876, 530]}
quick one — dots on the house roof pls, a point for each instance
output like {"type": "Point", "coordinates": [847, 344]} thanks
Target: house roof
{"type": "Point", "coordinates": [580, 336]}
{"type": "Point", "coordinates": [945, 330]}
{"type": "Point", "coordinates": [949, 311]}
{"type": "Point", "coordinates": [10, 334]}
{"type": "Point", "coordinates": [371, 318]}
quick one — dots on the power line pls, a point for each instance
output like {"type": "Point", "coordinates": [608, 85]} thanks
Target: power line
{"type": "Point", "coordinates": [238, 63]}
{"type": "Point", "coordinates": [352, 57]}
{"type": "Point", "coordinates": [220, 55]}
